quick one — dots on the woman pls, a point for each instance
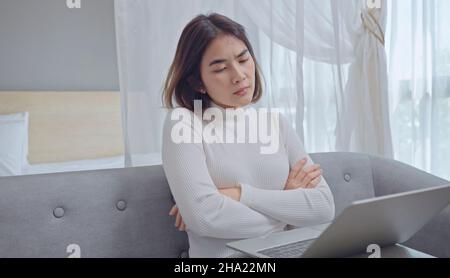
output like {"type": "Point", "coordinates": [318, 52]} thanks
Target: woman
{"type": "Point", "coordinates": [224, 192]}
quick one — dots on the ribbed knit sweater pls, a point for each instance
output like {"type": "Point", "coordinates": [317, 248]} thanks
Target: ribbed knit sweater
{"type": "Point", "coordinates": [196, 170]}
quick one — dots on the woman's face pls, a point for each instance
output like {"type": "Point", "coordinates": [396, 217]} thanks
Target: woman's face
{"type": "Point", "coordinates": [228, 72]}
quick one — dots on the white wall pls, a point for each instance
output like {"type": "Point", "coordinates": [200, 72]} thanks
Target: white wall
{"type": "Point", "coordinates": [46, 46]}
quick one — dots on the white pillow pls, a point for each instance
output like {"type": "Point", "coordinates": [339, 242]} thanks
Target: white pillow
{"type": "Point", "coordinates": [13, 143]}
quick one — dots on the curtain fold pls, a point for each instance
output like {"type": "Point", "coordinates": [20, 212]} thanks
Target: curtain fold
{"type": "Point", "coordinates": [345, 49]}
{"type": "Point", "coordinates": [365, 119]}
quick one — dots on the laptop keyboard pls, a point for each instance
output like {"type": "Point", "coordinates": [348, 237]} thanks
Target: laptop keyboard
{"type": "Point", "coordinates": [291, 250]}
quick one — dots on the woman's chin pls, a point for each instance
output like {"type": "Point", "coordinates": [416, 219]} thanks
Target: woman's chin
{"type": "Point", "coordinates": [236, 103]}
{"type": "Point", "coordinates": [242, 103]}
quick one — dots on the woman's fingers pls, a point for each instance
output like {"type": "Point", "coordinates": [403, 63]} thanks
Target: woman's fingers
{"type": "Point", "coordinates": [307, 175]}
{"type": "Point", "coordinates": [182, 226]}
{"type": "Point", "coordinates": [315, 178]}
{"type": "Point", "coordinates": [312, 168]}
{"type": "Point", "coordinates": [314, 182]}
{"type": "Point", "coordinates": [297, 168]}
{"type": "Point", "coordinates": [311, 176]}
{"type": "Point", "coordinates": [178, 220]}
{"type": "Point", "coordinates": [179, 223]}
{"type": "Point", "coordinates": [173, 210]}
{"type": "Point", "coordinates": [301, 179]}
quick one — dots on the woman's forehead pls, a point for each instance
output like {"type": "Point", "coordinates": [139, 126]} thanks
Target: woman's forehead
{"type": "Point", "coordinates": [225, 47]}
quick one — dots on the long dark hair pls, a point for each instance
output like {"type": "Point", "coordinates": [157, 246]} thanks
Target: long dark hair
{"type": "Point", "coordinates": [184, 78]}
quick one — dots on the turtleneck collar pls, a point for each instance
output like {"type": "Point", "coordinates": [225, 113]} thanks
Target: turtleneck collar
{"type": "Point", "coordinates": [240, 110]}
{"type": "Point", "coordinates": [245, 107]}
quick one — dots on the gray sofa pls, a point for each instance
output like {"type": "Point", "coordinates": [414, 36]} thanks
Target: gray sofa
{"type": "Point", "coordinates": [124, 212]}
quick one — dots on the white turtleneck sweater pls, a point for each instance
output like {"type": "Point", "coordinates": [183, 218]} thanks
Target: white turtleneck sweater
{"type": "Point", "coordinates": [195, 171]}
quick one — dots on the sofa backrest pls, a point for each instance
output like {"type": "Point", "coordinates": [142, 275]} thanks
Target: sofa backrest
{"type": "Point", "coordinates": [124, 212]}
{"type": "Point", "coordinates": [349, 176]}
{"type": "Point", "coordinates": [103, 213]}
{"type": "Point", "coordinates": [121, 212]}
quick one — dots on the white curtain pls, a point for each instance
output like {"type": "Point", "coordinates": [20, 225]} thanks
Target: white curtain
{"type": "Point", "coordinates": [147, 36]}
{"type": "Point", "coordinates": [278, 29]}
{"type": "Point", "coordinates": [365, 125]}
{"type": "Point", "coordinates": [419, 72]}
{"type": "Point", "coordinates": [147, 33]}
{"type": "Point", "coordinates": [322, 61]}
{"type": "Point", "coordinates": [345, 77]}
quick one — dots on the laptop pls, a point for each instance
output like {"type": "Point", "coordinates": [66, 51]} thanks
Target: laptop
{"type": "Point", "coordinates": [384, 221]}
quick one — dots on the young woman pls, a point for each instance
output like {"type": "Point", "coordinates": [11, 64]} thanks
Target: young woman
{"type": "Point", "coordinates": [229, 191]}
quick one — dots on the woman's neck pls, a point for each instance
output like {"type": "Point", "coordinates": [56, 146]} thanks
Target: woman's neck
{"type": "Point", "coordinates": [213, 104]}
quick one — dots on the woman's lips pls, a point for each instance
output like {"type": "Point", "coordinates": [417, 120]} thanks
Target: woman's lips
{"type": "Point", "coordinates": [242, 92]}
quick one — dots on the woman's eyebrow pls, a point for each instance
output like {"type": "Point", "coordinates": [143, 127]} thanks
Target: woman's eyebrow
{"type": "Point", "coordinates": [220, 61]}
{"type": "Point", "coordinates": [242, 53]}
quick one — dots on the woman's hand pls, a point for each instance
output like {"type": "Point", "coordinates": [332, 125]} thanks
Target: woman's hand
{"type": "Point", "coordinates": [178, 220]}
{"type": "Point", "coordinates": [232, 192]}
{"type": "Point", "coordinates": [303, 177]}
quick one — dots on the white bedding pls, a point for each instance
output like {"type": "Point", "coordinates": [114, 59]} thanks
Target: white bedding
{"type": "Point", "coordinates": [91, 164]}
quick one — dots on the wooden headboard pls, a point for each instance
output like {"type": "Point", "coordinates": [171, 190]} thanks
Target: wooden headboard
{"type": "Point", "coordinates": [67, 126]}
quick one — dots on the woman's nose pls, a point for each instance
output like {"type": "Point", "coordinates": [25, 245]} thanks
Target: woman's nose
{"type": "Point", "coordinates": [239, 76]}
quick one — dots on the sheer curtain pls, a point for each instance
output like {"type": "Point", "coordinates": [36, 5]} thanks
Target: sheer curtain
{"type": "Point", "coordinates": [147, 33]}
{"type": "Point", "coordinates": [340, 94]}
{"type": "Point", "coordinates": [419, 71]}
{"type": "Point", "coordinates": [278, 28]}
{"type": "Point", "coordinates": [345, 77]}
{"type": "Point", "coordinates": [322, 61]}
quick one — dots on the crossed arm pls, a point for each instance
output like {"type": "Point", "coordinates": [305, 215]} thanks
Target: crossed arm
{"type": "Point", "coordinates": [209, 211]}
{"type": "Point", "coordinates": [300, 176]}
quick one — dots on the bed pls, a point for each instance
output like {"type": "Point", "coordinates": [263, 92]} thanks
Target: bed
{"type": "Point", "coordinates": [91, 164]}
{"type": "Point", "coordinates": [62, 131]}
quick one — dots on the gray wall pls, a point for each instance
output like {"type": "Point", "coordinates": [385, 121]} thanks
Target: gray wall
{"type": "Point", "coordinates": [46, 46]}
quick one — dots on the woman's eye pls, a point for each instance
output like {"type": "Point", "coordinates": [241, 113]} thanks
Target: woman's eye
{"type": "Point", "coordinates": [243, 61]}
{"type": "Point", "coordinates": [220, 70]}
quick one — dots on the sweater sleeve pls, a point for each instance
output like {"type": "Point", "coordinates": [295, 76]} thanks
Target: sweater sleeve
{"type": "Point", "coordinates": [204, 210]}
{"type": "Point", "coordinates": [298, 207]}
